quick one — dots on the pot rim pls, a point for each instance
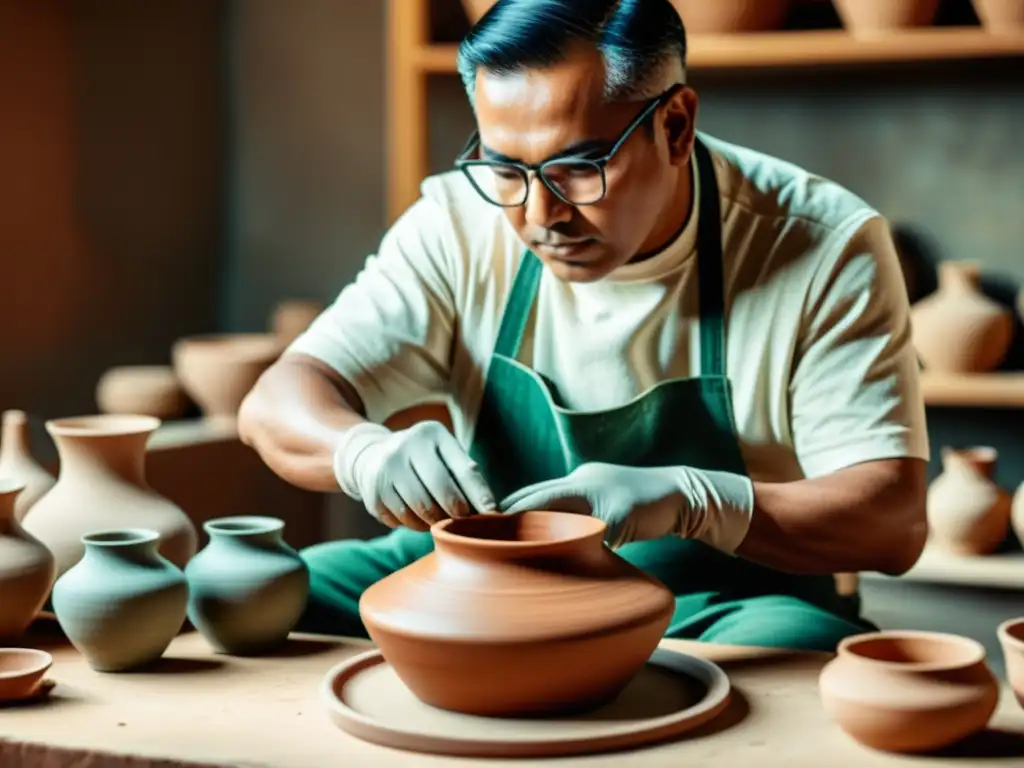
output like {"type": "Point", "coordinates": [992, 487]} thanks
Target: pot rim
{"type": "Point", "coordinates": [111, 538]}
{"type": "Point", "coordinates": [973, 651]}
{"type": "Point", "coordinates": [590, 527]}
{"type": "Point", "coordinates": [243, 525]}
{"type": "Point", "coordinates": [1014, 640]}
{"type": "Point", "coordinates": [9, 484]}
{"type": "Point", "coordinates": [43, 662]}
{"type": "Point", "coordinates": [103, 425]}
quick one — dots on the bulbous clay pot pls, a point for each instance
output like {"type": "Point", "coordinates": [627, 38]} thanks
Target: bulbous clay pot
{"type": "Point", "coordinates": [148, 390]}
{"type": "Point", "coordinates": [958, 329]}
{"type": "Point", "coordinates": [247, 587]}
{"type": "Point", "coordinates": [731, 16]}
{"type": "Point", "coordinates": [517, 615]}
{"type": "Point", "coordinates": [907, 691]}
{"type": "Point", "coordinates": [1011, 640]}
{"type": "Point", "coordinates": [872, 17]}
{"type": "Point", "coordinates": [27, 567]}
{"type": "Point", "coordinates": [102, 485]}
{"type": "Point", "coordinates": [293, 317]}
{"type": "Point", "coordinates": [217, 372]}
{"type": "Point", "coordinates": [1001, 16]}
{"type": "Point", "coordinates": [17, 462]}
{"type": "Point", "coordinates": [968, 514]}
{"type": "Point", "coordinates": [122, 604]}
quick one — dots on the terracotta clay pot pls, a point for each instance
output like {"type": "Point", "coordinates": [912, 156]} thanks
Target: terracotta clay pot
{"type": "Point", "coordinates": [517, 615]}
{"type": "Point", "coordinates": [17, 462]}
{"type": "Point", "coordinates": [1011, 640]}
{"type": "Point", "coordinates": [291, 318]}
{"type": "Point", "coordinates": [27, 568]}
{"type": "Point", "coordinates": [872, 17]}
{"type": "Point", "coordinates": [905, 691]}
{"type": "Point", "coordinates": [958, 329]}
{"type": "Point", "coordinates": [1001, 16]}
{"type": "Point", "coordinates": [148, 390]}
{"type": "Point", "coordinates": [217, 372]}
{"type": "Point", "coordinates": [475, 9]}
{"type": "Point", "coordinates": [968, 513]}
{"type": "Point", "coordinates": [102, 485]}
{"type": "Point", "coordinates": [701, 17]}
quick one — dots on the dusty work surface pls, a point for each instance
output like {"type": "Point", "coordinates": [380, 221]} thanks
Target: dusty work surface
{"type": "Point", "coordinates": [200, 709]}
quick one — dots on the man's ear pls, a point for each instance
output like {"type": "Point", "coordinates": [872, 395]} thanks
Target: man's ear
{"type": "Point", "coordinates": [680, 125]}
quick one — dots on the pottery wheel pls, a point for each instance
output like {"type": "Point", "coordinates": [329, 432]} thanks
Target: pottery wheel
{"type": "Point", "coordinates": [672, 694]}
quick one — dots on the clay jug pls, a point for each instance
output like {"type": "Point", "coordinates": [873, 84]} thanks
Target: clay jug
{"type": "Point", "coordinates": [16, 462]}
{"type": "Point", "coordinates": [958, 329]}
{"type": "Point", "coordinates": [27, 567]}
{"type": "Point", "coordinates": [247, 587]}
{"type": "Point", "coordinates": [968, 514]}
{"type": "Point", "coordinates": [1001, 16]}
{"type": "Point", "coordinates": [905, 691]}
{"type": "Point", "coordinates": [513, 615]}
{"type": "Point", "coordinates": [102, 485]}
{"type": "Point", "coordinates": [122, 604]}
{"type": "Point", "coordinates": [872, 17]}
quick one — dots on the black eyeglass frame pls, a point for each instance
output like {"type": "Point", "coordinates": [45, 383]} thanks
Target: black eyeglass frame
{"type": "Point", "coordinates": [465, 164]}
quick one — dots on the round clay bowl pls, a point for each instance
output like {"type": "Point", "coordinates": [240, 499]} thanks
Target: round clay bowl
{"type": "Point", "coordinates": [1001, 16]}
{"type": "Point", "coordinates": [21, 672]}
{"type": "Point", "coordinates": [874, 17]}
{"type": "Point", "coordinates": [721, 17]}
{"type": "Point", "coordinates": [909, 691]}
{"type": "Point", "coordinates": [1011, 639]}
{"type": "Point", "coordinates": [517, 615]}
{"type": "Point", "coordinates": [152, 390]}
{"type": "Point", "coordinates": [217, 371]}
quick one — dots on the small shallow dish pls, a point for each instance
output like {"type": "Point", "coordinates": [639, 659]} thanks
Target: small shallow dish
{"type": "Point", "coordinates": [21, 672]}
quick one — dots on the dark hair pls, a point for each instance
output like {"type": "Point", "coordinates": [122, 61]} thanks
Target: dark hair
{"type": "Point", "coordinates": [637, 38]}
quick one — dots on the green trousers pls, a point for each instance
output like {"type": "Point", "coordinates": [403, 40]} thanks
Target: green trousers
{"type": "Point", "coordinates": [753, 616]}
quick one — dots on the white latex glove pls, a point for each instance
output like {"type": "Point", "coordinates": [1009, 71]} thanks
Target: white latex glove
{"type": "Point", "coordinates": [413, 477]}
{"type": "Point", "coordinates": [640, 503]}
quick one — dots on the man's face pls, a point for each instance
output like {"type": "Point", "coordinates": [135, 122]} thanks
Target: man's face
{"type": "Point", "coordinates": [538, 114]}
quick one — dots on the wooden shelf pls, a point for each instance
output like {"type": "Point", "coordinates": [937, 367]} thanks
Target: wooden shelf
{"type": "Point", "coordinates": [984, 390]}
{"type": "Point", "coordinates": [1001, 571]}
{"type": "Point", "coordinates": [796, 49]}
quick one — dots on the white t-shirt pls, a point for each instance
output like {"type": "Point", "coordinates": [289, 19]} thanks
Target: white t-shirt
{"type": "Point", "coordinates": [817, 338]}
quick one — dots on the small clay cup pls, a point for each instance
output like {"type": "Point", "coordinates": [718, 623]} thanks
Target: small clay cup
{"type": "Point", "coordinates": [21, 672]}
{"type": "Point", "coordinates": [909, 691]}
{"type": "Point", "coordinates": [1011, 638]}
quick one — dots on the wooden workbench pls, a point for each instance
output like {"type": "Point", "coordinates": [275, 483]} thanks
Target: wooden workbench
{"type": "Point", "coordinates": [198, 710]}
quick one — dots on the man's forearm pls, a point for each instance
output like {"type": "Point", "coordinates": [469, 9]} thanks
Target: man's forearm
{"type": "Point", "coordinates": [870, 517]}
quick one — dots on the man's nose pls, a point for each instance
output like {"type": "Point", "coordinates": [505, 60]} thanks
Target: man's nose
{"type": "Point", "coordinates": [543, 208]}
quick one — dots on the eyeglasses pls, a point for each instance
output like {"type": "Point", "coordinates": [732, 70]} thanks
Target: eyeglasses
{"type": "Point", "coordinates": [573, 180]}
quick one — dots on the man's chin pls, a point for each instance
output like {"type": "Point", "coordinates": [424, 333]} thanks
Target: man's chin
{"type": "Point", "coordinates": [576, 271]}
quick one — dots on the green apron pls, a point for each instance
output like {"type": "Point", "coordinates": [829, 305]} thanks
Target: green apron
{"type": "Point", "coordinates": [524, 434]}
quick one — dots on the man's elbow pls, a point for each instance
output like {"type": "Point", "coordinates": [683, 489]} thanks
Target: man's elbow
{"type": "Point", "coordinates": [909, 533]}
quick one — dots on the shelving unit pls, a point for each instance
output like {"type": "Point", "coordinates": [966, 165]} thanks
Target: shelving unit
{"type": "Point", "coordinates": [412, 58]}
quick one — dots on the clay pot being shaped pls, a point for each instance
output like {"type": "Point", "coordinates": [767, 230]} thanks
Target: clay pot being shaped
{"type": "Point", "coordinates": [515, 615]}
{"type": "Point", "coordinates": [907, 691]}
{"type": "Point", "coordinates": [17, 462]}
{"type": "Point", "coordinates": [148, 390]}
{"type": "Point", "coordinates": [873, 17]}
{"type": "Point", "coordinates": [247, 587]}
{"type": "Point", "coordinates": [102, 485]}
{"type": "Point", "coordinates": [731, 16]}
{"type": "Point", "coordinates": [958, 329]}
{"type": "Point", "coordinates": [968, 514]}
{"type": "Point", "coordinates": [217, 372]}
{"type": "Point", "coordinates": [27, 567]}
{"type": "Point", "coordinates": [292, 318]}
{"type": "Point", "coordinates": [122, 604]}
{"type": "Point", "coordinates": [1011, 640]}
{"type": "Point", "coordinates": [1001, 16]}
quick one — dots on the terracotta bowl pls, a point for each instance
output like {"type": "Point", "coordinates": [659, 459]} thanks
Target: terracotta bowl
{"type": "Point", "coordinates": [21, 672]}
{"type": "Point", "coordinates": [151, 390]}
{"type": "Point", "coordinates": [720, 17]}
{"type": "Point", "coordinates": [1011, 638]}
{"type": "Point", "coordinates": [907, 691]}
{"type": "Point", "coordinates": [1001, 16]}
{"type": "Point", "coordinates": [217, 371]}
{"type": "Point", "coordinates": [872, 17]}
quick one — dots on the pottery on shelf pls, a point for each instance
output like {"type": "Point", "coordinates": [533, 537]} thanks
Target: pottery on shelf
{"type": "Point", "coordinates": [292, 317]}
{"type": "Point", "coordinates": [247, 587]}
{"type": "Point", "coordinates": [475, 9]}
{"type": "Point", "coordinates": [872, 17]}
{"type": "Point", "coordinates": [27, 567]}
{"type": "Point", "coordinates": [1011, 641]}
{"type": "Point", "coordinates": [731, 16]}
{"type": "Point", "coordinates": [1001, 16]}
{"type": "Point", "coordinates": [968, 513]}
{"type": "Point", "coordinates": [149, 390]}
{"type": "Point", "coordinates": [907, 691]}
{"type": "Point", "coordinates": [123, 603]}
{"type": "Point", "coordinates": [102, 485]}
{"type": "Point", "coordinates": [1017, 513]}
{"type": "Point", "coordinates": [516, 615]}
{"type": "Point", "coordinates": [17, 462]}
{"type": "Point", "coordinates": [217, 371]}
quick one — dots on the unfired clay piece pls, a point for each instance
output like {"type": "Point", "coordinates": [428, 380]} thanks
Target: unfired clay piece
{"type": "Point", "coordinates": [149, 390]}
{"type": "Point", "coordinates": [27, 568]}
{"type": "Point", "coordinates": [1001, 16]}
{"type": "Point", "coordinates": [731, 16]}
{"type": "Point", "coordinates": [21, 672]}
{"type": "Point", "coordinates": [1011, 640]}
{"type": "Point", "coordinates": [968, 513]}
{"type": "Point", "coordinates": [217, 372]}
{"type": "Point", "coordinates": [16, 461]}
{"type": "Point", "coordinates": [871, 17]}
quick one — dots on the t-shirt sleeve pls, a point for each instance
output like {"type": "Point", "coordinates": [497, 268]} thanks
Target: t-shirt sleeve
{"type": "Point", "coordinates": [389, 332]}
{"type": "Point", "coordinates": [855, 392]}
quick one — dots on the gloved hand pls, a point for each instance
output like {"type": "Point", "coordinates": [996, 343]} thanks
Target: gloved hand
{"type": "Point", "coordinates": [640, 503]}
{"type": "Point", "coordinates": [413, 477]}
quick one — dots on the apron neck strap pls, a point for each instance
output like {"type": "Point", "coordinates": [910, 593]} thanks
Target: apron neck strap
{"type": "Point", "coordinates": [709, 276]}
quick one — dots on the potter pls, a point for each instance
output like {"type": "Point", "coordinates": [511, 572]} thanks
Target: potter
{"type": "Point", "coordinates": [706, 347]}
